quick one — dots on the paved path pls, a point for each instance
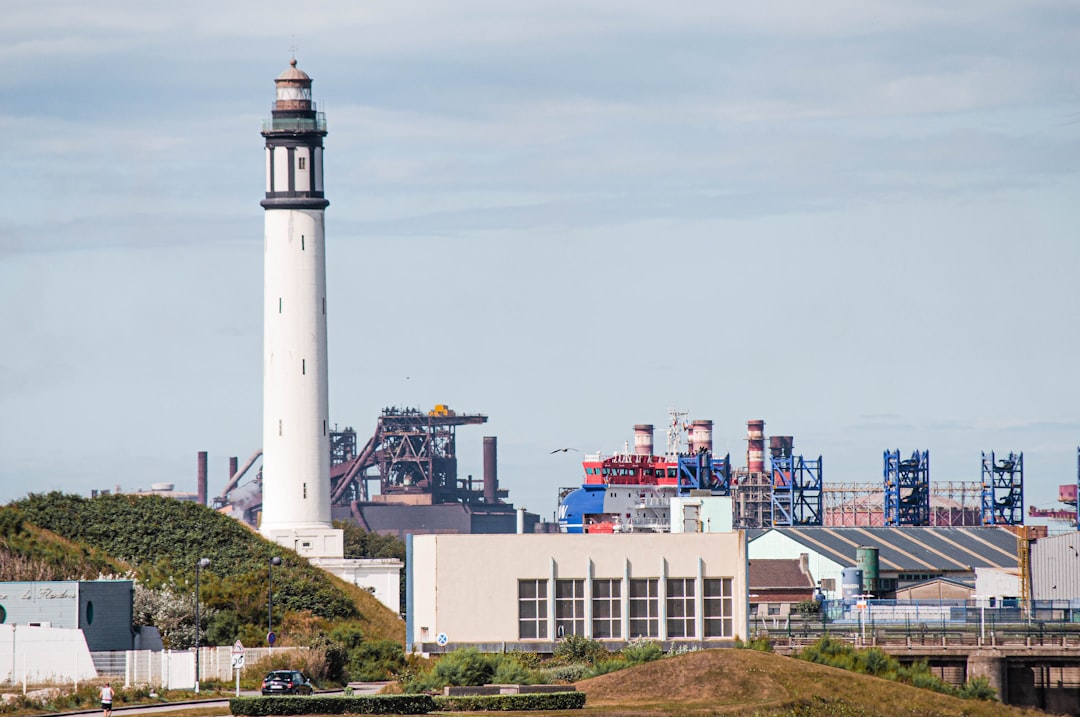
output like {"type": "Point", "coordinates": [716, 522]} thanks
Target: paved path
{"type": "Point", "coordinates": [359, 688]}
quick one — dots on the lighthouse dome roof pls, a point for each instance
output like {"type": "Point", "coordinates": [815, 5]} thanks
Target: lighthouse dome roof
{"type": "Point", "coordinates": [293, 74]}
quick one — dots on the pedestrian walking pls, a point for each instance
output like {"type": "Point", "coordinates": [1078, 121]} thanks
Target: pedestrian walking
{"type": "Point", "coordinates": [106, 700]}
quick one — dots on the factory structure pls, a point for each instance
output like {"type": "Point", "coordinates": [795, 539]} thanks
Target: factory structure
{"type": "Point", "coordinates": [633, 491]}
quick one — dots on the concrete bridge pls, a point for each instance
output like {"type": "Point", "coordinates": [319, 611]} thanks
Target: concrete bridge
{"type": "Point", "coordinates": [1028, 666]}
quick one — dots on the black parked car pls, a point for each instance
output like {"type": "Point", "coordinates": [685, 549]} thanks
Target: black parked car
{"type": "Point", "coordinates": [286, 682]}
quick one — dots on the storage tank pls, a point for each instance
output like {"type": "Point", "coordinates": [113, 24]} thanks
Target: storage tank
{"type": "Point", "coordinates": [866, 559]}
{"type": "Point", "coordinates": [851, 583]}
{"type": "Point", "coordinates": [643, 439]}
{"type": "Point", "coordinates": [701, 436]}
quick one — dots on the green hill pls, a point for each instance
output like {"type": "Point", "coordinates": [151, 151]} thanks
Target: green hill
{"type": "Point", "coordinates": [28, 552]}
{"type": "Point", "coordinates": [161, 539]}
{"type": "Point", "coordinates": [748, 683]}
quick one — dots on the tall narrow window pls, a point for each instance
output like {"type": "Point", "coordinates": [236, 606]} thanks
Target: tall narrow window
{"type": "Point", "coordinates": [279, 304]}
{"type": "Point", "coordinates": [569, 607]}
{"type": "Point", "coordinates": [607, 609]}
{"type": "Point", "coordinates": [303, 367]}
{"type": "Point", "coordinates": [532, 609]}
{"type": "Point", "coordinates": [305, 490]}
{"type": "Point", "coordinates": [279, 427]}
{"type": "Point", "coordinates": [717, 607]}
{"type": "Point", "coordinates": [680, 607]}
{"type": "Point", "coordinates": [301, 242]}
{"type": "Point", "coordinates": [324, 306]}
{"type": "Point", "coordinates": [324, 428]}
{"type": "Point", "coordinates": [301, 162]}
{"type": "Point", "coordinates": [644, 608]}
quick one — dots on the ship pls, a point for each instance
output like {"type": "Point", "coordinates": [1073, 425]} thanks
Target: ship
{"type": "Point", "coordinates": [635, 491]}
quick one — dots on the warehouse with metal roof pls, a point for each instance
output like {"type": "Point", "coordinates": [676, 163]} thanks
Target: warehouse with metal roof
{"type": "Point", "coordinates": [906, 555]}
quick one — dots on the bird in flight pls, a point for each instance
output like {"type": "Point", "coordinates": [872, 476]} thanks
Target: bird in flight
{"type": "Point", "coordinates": [562, 450]}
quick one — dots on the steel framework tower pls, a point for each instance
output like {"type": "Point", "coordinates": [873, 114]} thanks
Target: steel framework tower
{"type": "Point", "coordinates": [796, 491]}
{"type": "Point", "coordinates": [907, 489]}
{"type": "Point", "coordinates": [1003, 489]}
{"type": "Point", "coordinates": [703, 472]}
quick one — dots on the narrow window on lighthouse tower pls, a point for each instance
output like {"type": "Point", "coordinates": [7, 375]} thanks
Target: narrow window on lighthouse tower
{"type": "Point", "coordinates": [303, 367]}
{"type": "Point", "coordinates": [279, 303]}
{"type": "Point", "coordinates": [279, 427]}
{"type": "Point", "coordinates": [301, 242]}
{"type": "Point", "coordinates": [324, 306]}
{"type": "Point", "coordinates": [305, 491]}
{"type": "Point", "coordinates": [324, 428]}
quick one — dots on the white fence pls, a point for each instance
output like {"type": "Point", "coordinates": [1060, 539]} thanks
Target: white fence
{"type": "Point", "coordinates": [176, 669]}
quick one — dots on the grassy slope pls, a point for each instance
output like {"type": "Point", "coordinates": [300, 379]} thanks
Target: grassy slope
{"type": "Point", "coordinates": [28, 552]}
{"type": "Point", "coordinates": [162, 539]}
{"type": "Point", "coordinates": [747, 682]}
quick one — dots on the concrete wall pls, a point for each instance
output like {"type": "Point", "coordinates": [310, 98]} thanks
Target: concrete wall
{"type": "Point", "coordinates": [44, 654]}
{"type": "Point", "coordinates": [466, 586]}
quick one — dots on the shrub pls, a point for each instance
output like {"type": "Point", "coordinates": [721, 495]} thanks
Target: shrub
{"type": "Point", "coordinates": [375, 660]}
{"type": "Point", "coordinates": [512, 672]}
{"type": "Point", "coordinates": [641, 651]}
{"type": "Point", "coordinates": [512, 703]}
{"type": "Point", "coordinates": [978, 688]}
{"type": "Point", "coordinates": [467, 666]}
{"type": "Point", "coordinates": [568, 673]}
{"type": "Point", "coordinates": [324, 705]}
{"type": "Point", "coordinates": [578, 648]}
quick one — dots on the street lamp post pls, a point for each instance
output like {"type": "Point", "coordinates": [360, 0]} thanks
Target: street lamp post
{"type": "Point", "coordinates": [270, 599]}
{"type": "Point", "coordinates": [199, 565]}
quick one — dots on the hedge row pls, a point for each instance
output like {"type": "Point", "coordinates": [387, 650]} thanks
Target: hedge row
{"type": "Point", "coordinates": [336, 705]}
{"type": "Point", "coordinates": [512, 703]}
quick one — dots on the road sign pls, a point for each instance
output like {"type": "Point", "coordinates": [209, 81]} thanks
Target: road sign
{"type": "Point", "coordinates": [270, 637]}
{"type": "Point", "coordinates": [238, 647]}
{"type": "Point", "coordinates": [442, 639]}
{"type": "Point", "coordinates": [238, 660]}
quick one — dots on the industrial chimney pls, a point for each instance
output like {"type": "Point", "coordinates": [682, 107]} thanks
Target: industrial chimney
{"type": "Point", "coordinates": [755, 446]}
{"type": "Point", "coordinates": [491, 473]}
{"type": "Point", "coordinates": [643, 439]}
{"type": "Point", "coordinates": [701, 436]}
{"type": "Point", "coordinates": [201, 479]}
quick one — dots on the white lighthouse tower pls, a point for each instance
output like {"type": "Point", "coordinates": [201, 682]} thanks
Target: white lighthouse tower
{"type": "Point", "coordinates": [296, 432]}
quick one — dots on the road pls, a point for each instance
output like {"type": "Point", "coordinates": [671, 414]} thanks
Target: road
{"type": "Point", "coordinates": [359, 688]}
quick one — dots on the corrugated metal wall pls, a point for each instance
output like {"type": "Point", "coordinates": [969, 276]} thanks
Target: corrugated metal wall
{"type": "Point", "coordinates": [1055, 567]}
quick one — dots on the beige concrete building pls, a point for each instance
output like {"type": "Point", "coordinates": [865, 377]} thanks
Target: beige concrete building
{"type": "Point", "coordinates": [526, 591]}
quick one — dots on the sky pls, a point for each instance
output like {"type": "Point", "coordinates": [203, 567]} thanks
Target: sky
{"type": "Point", "coordinates": [857, 221]}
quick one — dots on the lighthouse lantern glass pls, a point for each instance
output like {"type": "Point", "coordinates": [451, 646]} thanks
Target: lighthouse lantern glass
{"type": "Point", "coordinates": [292, 92]}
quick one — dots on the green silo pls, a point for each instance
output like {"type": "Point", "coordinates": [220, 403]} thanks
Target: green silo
{"type": "Point", "coordinates": [866, 558]}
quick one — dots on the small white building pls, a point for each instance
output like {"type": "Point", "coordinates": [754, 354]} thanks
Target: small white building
{"type": "Point", "coordinates": [525, 592]}
{"type": "Point", "coordinates": [380, 576]}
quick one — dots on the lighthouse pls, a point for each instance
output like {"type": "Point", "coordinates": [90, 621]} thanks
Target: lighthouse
{"type": "Point", "coordinates": [296, 432]}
